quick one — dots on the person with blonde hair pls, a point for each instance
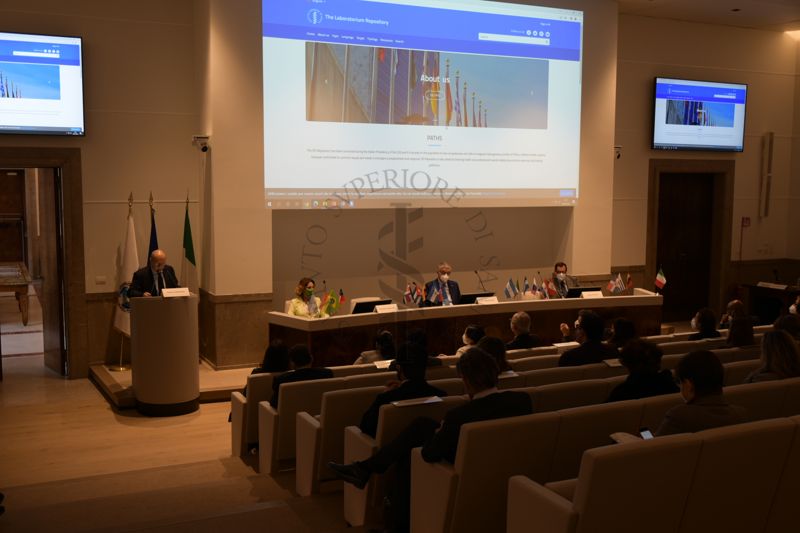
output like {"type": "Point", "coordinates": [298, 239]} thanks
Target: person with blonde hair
{"type": "Point", "coordinates": [305, 303]}
{"type": "Point", "coordinates": [780, 358]}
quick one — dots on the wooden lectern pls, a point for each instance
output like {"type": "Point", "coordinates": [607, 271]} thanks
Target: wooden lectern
{"type": "Point", "coordinates": [165, 355]}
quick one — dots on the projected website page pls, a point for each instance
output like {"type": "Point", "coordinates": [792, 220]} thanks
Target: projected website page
{"type": "Point", "coordinates": [41, 87]}
{"type": "Point", "coordinates": [697, 115]}
{"type": "Point", "coordinates": [432, 103]}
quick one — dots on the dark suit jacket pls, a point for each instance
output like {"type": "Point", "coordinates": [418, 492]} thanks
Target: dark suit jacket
{"type": "Point", "coordinates": [644, 385]}
{"type": "Point", "coordinates": [523, 340]}
{"type": "Point", "coordinates": [444, 443]}
{"type": "Point", "coordinates": [702, 413]}
{"type": "Point", "coordinates": [452, 287]}
{"type": "Point", "coordinates": [588, 353]}
{"type": "Point", "coordinates": [143, 281]}
{"type": "Point", "coordinates": [301, 374]}
{"type": "Point", "coordinates": [406, 391]}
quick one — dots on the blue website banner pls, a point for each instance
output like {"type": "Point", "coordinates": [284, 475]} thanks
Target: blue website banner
{"type": "Point", "coordinates": [703, 93]}
{"type": "Point", "coordinates": [39, 52]}
{"type": "Point", "coordinates": [423, 28]}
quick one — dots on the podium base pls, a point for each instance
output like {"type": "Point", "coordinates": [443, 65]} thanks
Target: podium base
{"type": "Point", "coordinates": [168, 409]}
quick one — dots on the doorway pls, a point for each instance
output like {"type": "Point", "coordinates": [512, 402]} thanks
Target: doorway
{"type": "Point", "coordinates": [689, 233]}
{"type": "Point", "coordinates": [52, 248]}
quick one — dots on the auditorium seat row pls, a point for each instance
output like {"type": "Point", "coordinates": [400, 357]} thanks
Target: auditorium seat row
{"type": "Point", "coordinates": [244, 409]}
{"type": "Point", "coordinates": [319, 438]}
{"type": "Point", "coordinates": [275, 428]}
{"type": "Point", "coordinates": [737, 479]}
{"type": "Point", "coordinates": [470, 495]}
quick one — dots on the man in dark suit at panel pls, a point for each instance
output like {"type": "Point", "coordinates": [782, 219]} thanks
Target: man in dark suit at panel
{"type": "Point", "coordinates": [589, 333]}
{"type": "Point", "coordinates": [442, 290]}
{"type": "Point", "coordinates": [411, 365]}
{"type": "Point", "coordinates": [479, 372]}
{"type": "Point", "coordinates": [157, 275]}
{"type": "Point", "coordinates": [300, 360]}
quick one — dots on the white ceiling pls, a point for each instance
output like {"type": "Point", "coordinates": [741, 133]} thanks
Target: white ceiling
{"type": "Point", "coordinates": [775, 15]}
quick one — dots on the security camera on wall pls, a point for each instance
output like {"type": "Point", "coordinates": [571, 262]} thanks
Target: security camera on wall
{"type": "Point", "coordinates": [201, 141]}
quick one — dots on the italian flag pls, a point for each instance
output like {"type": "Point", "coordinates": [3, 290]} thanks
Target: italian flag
{"type": "Point", "coordinates": [661, 279]}
{"type": "Point", "coordinates": [189, 264]}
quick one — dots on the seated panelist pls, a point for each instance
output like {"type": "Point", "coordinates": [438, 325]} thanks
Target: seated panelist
{"type": "Point", "coordinates": [157, 275]}
{"type": "Point", "coordinates": [305, 303]}
{"type": "Point", "coordinates": [561, 281]}
{"type": "Point", "coordinates": [442, 290]}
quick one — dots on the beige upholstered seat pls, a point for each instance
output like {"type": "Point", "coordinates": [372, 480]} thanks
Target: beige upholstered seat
{"type": "Point", "coordinates": [464, 497]}
{"type": "Point", "coordinates": [359, 504]}
{"type": "Point", "coordinates": [688, 483]}
{"type": "Point", "coordinates": [320, 440]}
{"type": "Point", "coordinates": [277, 428]}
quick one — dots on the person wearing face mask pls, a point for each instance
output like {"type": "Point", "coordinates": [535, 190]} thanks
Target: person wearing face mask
{"type": "Point", "coordinates": [305, 303]}
{"type": "Point", "coordinates": [700, 377]}
{"type": "Point", "coordinates": [442, 290]}
{"type": "Point", "coordinates": [472, 334]}
{"type": "Point", "coordinates": [705, 324]}
{"type": "Point", "coordinates": [560, 279]}
{"type": "Point", "coordinates": [589, 333]}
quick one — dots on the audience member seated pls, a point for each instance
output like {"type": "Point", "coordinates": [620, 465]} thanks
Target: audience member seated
{"type": "Point", "coordinates": [384, 349]}
{"type": "Point", "coordinates": [495, 347]}
{"type": "Point", "coordinates": [794, 306]}
{"type": "Point", "coordinates": [780, 358]}
{"type": "Point", "coordinates": [276, 359]}
{"type": "Point", "coordinates": [521, 328]}
{"type": "Point", "coordinates": [734, 309]}
{"type": "Point", "coordinates": [470, 338]}
{"type": "Point", "coordinates": [589, 333]}
{"type": "Point", "coordinates": [700, 375]}
{"type": "Point", "coordinates": [740, 332]}
{"type": "Point", "coordinates": [419, 337]}
{"type": "Point", "coordinates": [622, 331]}
{"type": "Point", "coordinates": [790, 324]}
{"type": "Point", "coordinates": [439, 442]}
{"type": "Point", "coordinates": [705, 323]}
{"type": "Point", "coordinates": [645, 377]}
{"type": "Point", "coordinates": [411, 365]}
{"type": "Point", "coordinates": [300, 361]}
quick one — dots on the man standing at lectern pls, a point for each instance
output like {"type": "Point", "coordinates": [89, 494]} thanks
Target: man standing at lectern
{"type": "Point", "coordinates": [442, 290]}
{"type": "Point", "coordinates": [149, 281]}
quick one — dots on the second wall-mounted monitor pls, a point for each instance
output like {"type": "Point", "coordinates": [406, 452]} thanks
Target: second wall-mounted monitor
{"type": "Point", "coordinates": [370, 103]}
{"type": "Point", "coordinates": [699, 115]}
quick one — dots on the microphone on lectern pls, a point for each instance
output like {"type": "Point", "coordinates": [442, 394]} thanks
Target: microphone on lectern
{"type": "Point", "coordinates": [480, 280]}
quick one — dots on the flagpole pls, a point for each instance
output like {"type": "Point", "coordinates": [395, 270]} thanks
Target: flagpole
{"type": "Point", "coordinates": [121, 367]}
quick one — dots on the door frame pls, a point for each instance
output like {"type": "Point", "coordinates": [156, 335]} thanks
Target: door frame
{"type": "Point", "coordinates": [723, 173]}
{"type": "Point", "coordinates": [69, 196]}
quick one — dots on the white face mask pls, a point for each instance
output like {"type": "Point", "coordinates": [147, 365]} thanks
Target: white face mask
{"type": "Point", "coordinates": [793, 309]}
{"type": "Point", "coordinates": [694, 323]}
{"type": "Point", "coordinates": [561, 276]}
{"type": "Point", "coordinates": [444, 277]}
{"type": "Point", "coordinates": [465, 339]}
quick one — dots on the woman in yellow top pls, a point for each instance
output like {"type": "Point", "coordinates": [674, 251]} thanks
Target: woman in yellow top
{"type": "Point", "coordinates": [305, 303]}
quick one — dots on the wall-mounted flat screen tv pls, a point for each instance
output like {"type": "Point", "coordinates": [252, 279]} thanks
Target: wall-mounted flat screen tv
{"type": "Point", "coordinates": [41, 84]}
{"type": "Point", "coordinates": [699, 115]}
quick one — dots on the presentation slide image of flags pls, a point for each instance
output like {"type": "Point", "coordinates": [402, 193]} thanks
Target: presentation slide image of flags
{"type": "Point", "coordinates": [698, 113]}
{"type": "Point", "coordinates": [419, 87]}
{"type": "Point", "coordinates": [23, 80]}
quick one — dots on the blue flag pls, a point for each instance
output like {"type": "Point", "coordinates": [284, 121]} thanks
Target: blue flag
{"type": "Point", "coordinates": [153, 234]}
